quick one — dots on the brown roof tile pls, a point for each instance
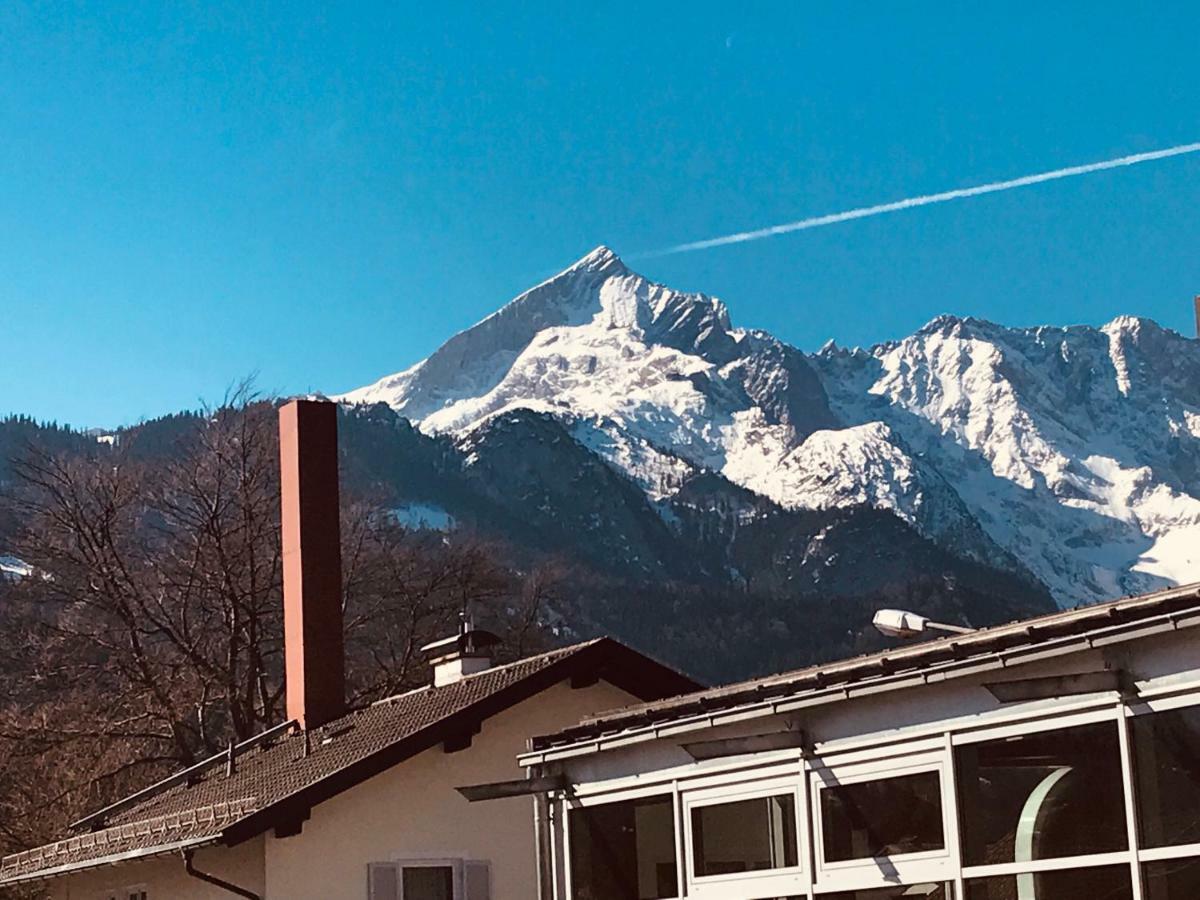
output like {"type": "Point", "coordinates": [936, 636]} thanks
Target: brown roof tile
{"type": "Point", "coordinates": [280, 779]}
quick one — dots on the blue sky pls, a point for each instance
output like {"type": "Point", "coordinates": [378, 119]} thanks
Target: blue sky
{"type": "Point", "coordinates": [192, 192]}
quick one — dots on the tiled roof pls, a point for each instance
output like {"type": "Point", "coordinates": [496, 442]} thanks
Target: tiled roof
{"type": "Point", "coordinates": [917, 658]}
{"type": "Point", "coordinates": [281, 778]}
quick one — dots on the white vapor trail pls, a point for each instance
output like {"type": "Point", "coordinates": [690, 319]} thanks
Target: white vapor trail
{"type": "Point", "coordinates": [863, 212]}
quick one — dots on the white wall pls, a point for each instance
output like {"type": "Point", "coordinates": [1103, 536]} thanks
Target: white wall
{"type": "Point", "coordinates": [413, 810]}
{"type": "Point", "coordinates": [409, 811]}
{"type": "Point", "coordinates": [166, 879]}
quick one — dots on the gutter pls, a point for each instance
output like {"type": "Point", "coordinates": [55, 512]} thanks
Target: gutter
{"type": "Point", "coordinates": [636, 732]}
{"type": "Point", "coordinates": [110, 860]}
{"type": "Point", "coordinates": [213, 879]}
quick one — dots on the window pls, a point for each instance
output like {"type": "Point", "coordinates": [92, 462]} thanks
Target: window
{"type": "Point", "coordinates": [135, 892]}
{"type": "Point", "coordinates": [931, 891]}
{"type": "Point", "coordinates": [1171, 879]}
{"type": "Point", "coordinates": [888, 817]}
{"type": "Point", "coordinates": [744, 836]}
{"type": "Point", "coordinates": [1040, 796]}
{"type": "Point", "coordinates": [624, 851]}
{"type": "Point", "coordinates": [440, 879]}
{"type": "Point", "coordinates": [1107, 883]}
{"type": "Point", "coordinates": [427, 883]}
{"type": "Point", "coordinates": [1166, 753]}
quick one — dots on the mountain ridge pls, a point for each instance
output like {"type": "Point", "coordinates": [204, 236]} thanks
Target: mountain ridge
{"type": "Point", "coordinates": [1071, 454]}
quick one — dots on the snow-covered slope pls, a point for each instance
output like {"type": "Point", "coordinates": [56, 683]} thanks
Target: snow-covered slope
{"type": "Point", "coordinates": [1071, 453]}
{"type": "Point", "coordinates": [1075, 448]}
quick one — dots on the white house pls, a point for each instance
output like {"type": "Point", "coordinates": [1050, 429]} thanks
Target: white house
{"type": "Point", "coordinates": [348, 803]}
{"type": "Point", "coordinates": [1052, 759]}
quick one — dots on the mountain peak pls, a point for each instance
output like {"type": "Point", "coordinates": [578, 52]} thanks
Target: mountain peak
{"type": "Point", "coordinates": [602, 259]}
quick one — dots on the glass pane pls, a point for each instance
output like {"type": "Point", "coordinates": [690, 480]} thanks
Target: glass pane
{"type": "Point", "coordinates": [1166, 753]}
{"type": "Point", "coordinates": [624, 851]}
{"type": "Point", "coordinates": [1041, 796]}
{"type": "Point", "coordinates": [1171, 879]}
{"type": "Point", "coordinates": [428, 883]}
{"type": "Point", "coordinates": [882, 818]}
{"type": "Point", "coordinates": [745, 836]}
{"type": "Point", "coordinates": [908, 892]}
{"type": "Point", "coordinates": [1108, 883]}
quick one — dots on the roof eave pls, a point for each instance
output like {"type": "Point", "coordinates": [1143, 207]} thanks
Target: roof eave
{"type": "Point", "coordinates": [111, 859]}
{"type": "Point", "coordinates": [615, 737]}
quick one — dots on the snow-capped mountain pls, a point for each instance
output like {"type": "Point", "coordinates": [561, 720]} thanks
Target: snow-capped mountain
{"type": "Point", "coordinates": [1072, 454]}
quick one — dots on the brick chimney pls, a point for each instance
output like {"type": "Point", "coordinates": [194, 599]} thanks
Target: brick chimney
{"type": "Point", "coordinates": [1198, 316]}
{"type": "Point", "coordinates": [312, 562]}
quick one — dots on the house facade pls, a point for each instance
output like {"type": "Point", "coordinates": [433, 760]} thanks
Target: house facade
{"type": "Point", "coordinates": [333, 813]}
{"type": "Point", "coordinates": [1052, 759]}
{"type": "Point", "coordinates": [341, 803]}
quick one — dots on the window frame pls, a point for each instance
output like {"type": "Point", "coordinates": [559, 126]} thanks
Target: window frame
{"type": "Point", "coordinates": [939, 865]}
{"type": "Point", "coordinates": [782, 881]}
{"type": "Point", "coordinates": [572, 803]}
{"type": "Point", "coordinates": [456, 864]}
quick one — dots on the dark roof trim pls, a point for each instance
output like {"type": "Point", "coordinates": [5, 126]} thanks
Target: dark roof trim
{"type": "Point", "coordinates": [900, 665]}
{"type": "Point", "coordinates": [614, 662]}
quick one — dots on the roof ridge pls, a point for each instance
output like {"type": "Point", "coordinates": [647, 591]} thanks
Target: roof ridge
{"type": "Point", "coordinates": [524, 660]}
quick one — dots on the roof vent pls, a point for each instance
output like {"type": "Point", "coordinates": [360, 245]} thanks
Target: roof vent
{"type": "Point", "coordinates": [465, 653]}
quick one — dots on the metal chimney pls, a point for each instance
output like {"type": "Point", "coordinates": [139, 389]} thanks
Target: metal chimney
{"type": "Point", "coordinates": [312, 562]}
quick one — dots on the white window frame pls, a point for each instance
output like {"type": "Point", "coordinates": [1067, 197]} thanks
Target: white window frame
{"type": "Point", "coordinates": [907, 868]}
{"type": "Point", "coordinates": [456, 864]}
{"type": "Point", "coordinates": [783, 881]}
{"type": "Point", "coordinates": [666, 791]}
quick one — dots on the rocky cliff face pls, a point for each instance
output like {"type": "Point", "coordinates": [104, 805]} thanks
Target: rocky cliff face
{"type": "Point", "coordinates": [1068, 454]}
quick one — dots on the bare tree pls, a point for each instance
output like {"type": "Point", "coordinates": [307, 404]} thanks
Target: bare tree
{"type": "Point", "coordinates": [151, 633]}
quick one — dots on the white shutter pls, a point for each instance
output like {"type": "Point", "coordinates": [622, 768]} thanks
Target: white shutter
{"type": "Point", "coordinates": [477, 880]}
{"type": "Point", "coordinates": [383, 880]}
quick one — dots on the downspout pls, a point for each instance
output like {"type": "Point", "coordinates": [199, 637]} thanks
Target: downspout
{"type": "Point", "coordinates": [214, 880]}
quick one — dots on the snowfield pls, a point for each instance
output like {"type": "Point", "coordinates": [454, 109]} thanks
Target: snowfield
{"type": "Point", "coordinates": [1071, 453]}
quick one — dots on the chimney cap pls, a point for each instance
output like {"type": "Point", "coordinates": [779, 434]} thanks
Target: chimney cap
{"type": "Point", "coordinates": [468, 641]}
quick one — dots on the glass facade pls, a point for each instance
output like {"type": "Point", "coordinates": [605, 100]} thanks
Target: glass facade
{"type": "Point", "coordinates": [1171, 879]}
{"type": "Point", "coordinates": [744, 836]}
{"type": "Point", "coordinates": [1018, 815]}
{"type": "Point", "coordinates": [1166, 754]}
{"type": "Point", "coordinates": [882, 818]}
{"type": "Point", "coordinates": [931, 891]}
{"type": "Point", "coordinates": [1041, 796]}
{"type": "Point", "coordinates": [1106, 883]}
{"type": "Point", "coordinates": [624, 851]}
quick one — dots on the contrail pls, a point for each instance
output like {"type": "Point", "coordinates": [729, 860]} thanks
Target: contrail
{"type": "Point", "coordinates": [945, 196]}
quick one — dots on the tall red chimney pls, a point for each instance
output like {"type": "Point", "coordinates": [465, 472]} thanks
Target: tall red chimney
{"type": "Point", "coordinates": [312, 562]}
{"type": "Point", "coordinates": [1198, 316]}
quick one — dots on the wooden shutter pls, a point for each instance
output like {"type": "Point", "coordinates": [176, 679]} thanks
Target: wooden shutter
{"type": "Point", "coordinates": [477, 880]}
{"type": "Point", "coordinates": [383, 881]}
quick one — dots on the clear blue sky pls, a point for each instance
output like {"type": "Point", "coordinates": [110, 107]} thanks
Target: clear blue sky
{"type": "Point", "coordinates": [191, 192]}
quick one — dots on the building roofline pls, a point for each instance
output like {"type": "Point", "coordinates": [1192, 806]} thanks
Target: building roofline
{"type": "Point", "coordinates": [887, 670]}
{"type": "Point", "coordinates": [111, 860]}
{"type": "Point", "coordinates": [601, 659]}
{"type": "Point", "coordinates": [608, 659]}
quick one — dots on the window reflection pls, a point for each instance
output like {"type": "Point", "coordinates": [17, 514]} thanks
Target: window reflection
{"type": "Point", "coordinates": [1166, 752]}
{"type": "Point", "coordinates": [1171, 879]}
{"type": "Point", "coordinates": [882, 818]}
{"type": "Point", "coordinates": [1107, 883]}
{"type": "Point", "coordinates": [624, 851]}
{"type": "Point", "coordinates": [744, 836]}
{"type": "Point", "coordinates": [1041, 796]}
{"type": "Point", "coordinates": [929, 891]}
